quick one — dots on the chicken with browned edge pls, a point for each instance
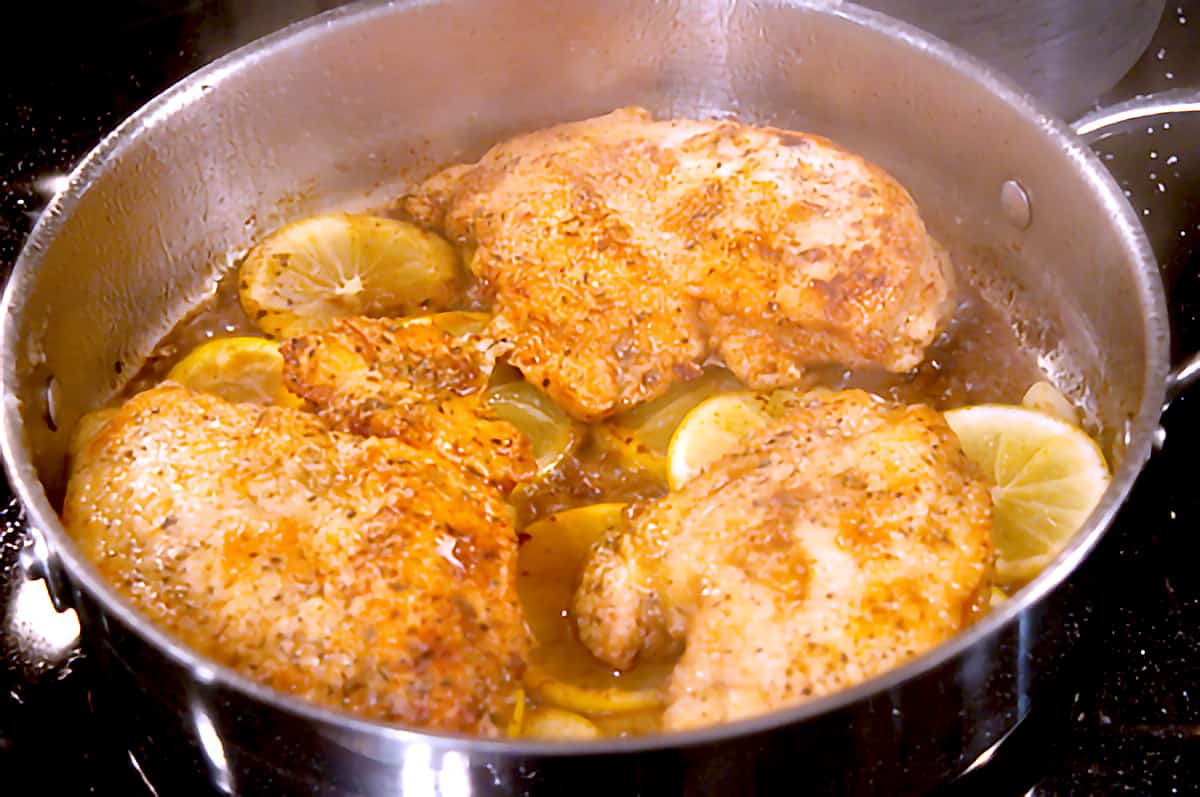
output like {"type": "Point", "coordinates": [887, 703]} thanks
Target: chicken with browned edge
{"type": "Point", "coordinates": [835, 544]}
{"type": "Point", "coordinates": [412, 380]}
{"type": "Point", "coordinates": [360, 573]}
{"type": "Point", "coordinates": [621, 253]}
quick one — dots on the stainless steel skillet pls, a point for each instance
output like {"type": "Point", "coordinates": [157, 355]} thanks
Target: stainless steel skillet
{"type": "Point", "coordinates": [343, 109]}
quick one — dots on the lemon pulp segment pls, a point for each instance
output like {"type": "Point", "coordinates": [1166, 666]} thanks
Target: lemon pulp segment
{"type": "Point", "coordinates": [1046, 478]}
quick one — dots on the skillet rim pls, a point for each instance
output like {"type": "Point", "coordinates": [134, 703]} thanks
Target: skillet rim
{"type": "Point", "coordinates": [44, 521]}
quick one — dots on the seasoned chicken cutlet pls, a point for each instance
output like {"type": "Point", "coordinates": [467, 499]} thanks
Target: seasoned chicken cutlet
{"type": "Point", "coordinates": [412, 380]}
{"type": "Point", "coordinates": [360, 573]}
{"type": "Point", "coordinates": [835, 544]}
{"type": "Point", "coordinates": [621, 253]}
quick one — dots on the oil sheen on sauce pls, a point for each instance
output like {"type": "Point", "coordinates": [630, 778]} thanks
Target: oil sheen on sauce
{"type": "Point", "coordinates": [977, 359]}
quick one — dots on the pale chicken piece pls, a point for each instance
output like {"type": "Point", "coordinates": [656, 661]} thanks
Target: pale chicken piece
{"type": "Point", "coordinates": [359, 573]}
{"type": "Point", "coordinates": [835, 544]}
{"type": "Point", "coordinates": [414, 381]}
{"type": "Point", "coordinates": [621, 253]}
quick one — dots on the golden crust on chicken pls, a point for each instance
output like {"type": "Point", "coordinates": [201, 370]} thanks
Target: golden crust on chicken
{"type": "Point", "coordinates": [360, 573]}
{"type": "Point", "coordinates": [621, 253]}
{"type": "Point", "coordinates": [413, 381]}
{"type": "Point", "coordinates": [833, 545]}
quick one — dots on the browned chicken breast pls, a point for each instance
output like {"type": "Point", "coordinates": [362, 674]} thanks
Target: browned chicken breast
{"type": "Point", "coordinates": [622, 252]}
{"type": "Point", "coordinates": [360, 573]}
{"type": "Point", "coordinates": [414, 381]}
{"type": "Point", "coordinates": [833, 545]}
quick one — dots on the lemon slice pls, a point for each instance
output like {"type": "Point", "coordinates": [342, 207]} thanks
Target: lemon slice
{"type": "Point", "coordinates": [241, 370]}
{"type": "Point", "coordinates": [516, 722]}
{"type": "Point", "coordinates": [1047, 476]}
{"type": "Point", "coordinates": [561, 672]}
{"type": "Point", "coordinates": [310, 272]}
{"type": "Point", "coordinates": [710, 430]}
{"type": "Point", "coordinates": [640, 437]}
{"type": "Point", "coordinates": [551, 432]}
{"type": "Point", "coordinates": [601, 701]}
{"type": "Point", "coordinates": [503, 374]}
{"type": "Point", "coordinates": [554, 724]}
{"type": "Point", "coordinates": [550, 559]}
{"type": "Point", "coordinates": [458, 323]}
{"type": "Point", "coordinates": [87, 428]}
{"type": "Point", "coordinates": [1046, 397]}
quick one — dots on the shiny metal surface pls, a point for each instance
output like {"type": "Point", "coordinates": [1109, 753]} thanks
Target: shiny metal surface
{"type": "Point", "coordinates": [1014, 201]}
{"type": "Point", "coordinates": [1118, 120]}
{"type": "Point", "coordinates": [1065, 52]}
{"type": "Point", "coordinates": [346, 108]}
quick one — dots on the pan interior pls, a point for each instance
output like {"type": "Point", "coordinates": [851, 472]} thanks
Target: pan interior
{"type": "Point", "coordinates": [347, 113]}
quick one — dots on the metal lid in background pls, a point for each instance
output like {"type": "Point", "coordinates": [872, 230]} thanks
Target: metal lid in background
{"type": "Point", "coordinates": [1064, 52]}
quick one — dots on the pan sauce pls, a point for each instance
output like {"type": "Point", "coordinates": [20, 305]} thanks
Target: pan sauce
{"type": "Point", "coordinates": [979, 358]}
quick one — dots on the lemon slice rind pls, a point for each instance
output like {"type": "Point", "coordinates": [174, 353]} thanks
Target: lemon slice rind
{"type": "Point", "coordinates": [552, 724]}
{"type": "Point", "coordinates": [593, 701]}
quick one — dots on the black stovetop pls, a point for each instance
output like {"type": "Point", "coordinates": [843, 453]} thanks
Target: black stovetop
{"type": "Point", "coordinates": [1129, 720]}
